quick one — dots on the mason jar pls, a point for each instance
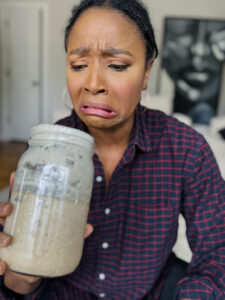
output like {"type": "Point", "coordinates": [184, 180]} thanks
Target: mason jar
{"type": "Point", "coordinates": [50, 196]}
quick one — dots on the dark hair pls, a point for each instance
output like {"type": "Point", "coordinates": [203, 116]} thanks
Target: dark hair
{"type": "Point", "coordinates": [134, 9]}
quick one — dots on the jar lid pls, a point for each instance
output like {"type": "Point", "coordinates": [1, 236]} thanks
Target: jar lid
{"type": "Point", "coordinates": [61, 133]}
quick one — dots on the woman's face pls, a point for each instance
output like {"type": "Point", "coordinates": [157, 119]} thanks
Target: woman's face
{"type": "Point", "coordinates": [106, 69]}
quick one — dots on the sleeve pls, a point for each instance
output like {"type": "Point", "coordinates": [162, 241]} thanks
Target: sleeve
{"type": "Point", "coordinates": [49, 289]}
{"type": "Point", "coordinates": [7, 294]}
{"type": "Point", "coordinates": [38, 292]}
{"type": "Point", "coordinates": [203, 207]}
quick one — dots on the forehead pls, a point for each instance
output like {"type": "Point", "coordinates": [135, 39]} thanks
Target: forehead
{"type": "Point", "coordinates": [105, 26]}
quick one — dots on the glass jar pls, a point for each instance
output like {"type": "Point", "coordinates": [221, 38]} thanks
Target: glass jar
{"type": "Point", "coordinates": [50, 196]}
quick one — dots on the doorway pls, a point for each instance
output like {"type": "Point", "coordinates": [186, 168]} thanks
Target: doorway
{"type": "Point", "coordinates": [23, 75]}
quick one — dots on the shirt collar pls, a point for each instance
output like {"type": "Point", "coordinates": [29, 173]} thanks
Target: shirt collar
{"type": "Point", "coordinates": [139, 136]}
{"type": "Point", "coordinates": [78, 123]}
{"type": "Point", "coordinates": [147, 130]}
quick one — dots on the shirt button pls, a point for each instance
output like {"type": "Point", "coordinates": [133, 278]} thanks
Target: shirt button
{"type": "Point", "coordinates": [102, 295]}
{"type": "Point", "coordinates": [105, 245]}
{"type": "Point", "coordinates": [99, 178]}
{"type": "Point", "coordinates": [107, 211]}
{"type": "Point", "coordinates": [101, 276]}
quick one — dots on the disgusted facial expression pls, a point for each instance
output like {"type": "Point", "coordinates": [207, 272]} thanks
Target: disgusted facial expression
{"type": "Point", "coordinates": [106, 68]}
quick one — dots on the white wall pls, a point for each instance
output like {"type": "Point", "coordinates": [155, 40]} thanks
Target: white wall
{"type": "Point", "coordinates": [59, 12]}
{"type": "Point", "coordinates": [58, 15]}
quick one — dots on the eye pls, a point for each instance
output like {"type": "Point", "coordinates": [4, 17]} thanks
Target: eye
{"type": "Point", "coordinates": [78, 67]}
{"type": "Point", "coordinates": [119, 68]}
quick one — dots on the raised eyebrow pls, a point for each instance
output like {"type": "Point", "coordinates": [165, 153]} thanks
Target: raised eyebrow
{"type": "Point", "coordinates": [105, 52]}
{"type": "Point", "coordinates": [80, 50]}
{"type": "Point", "coordinates": [115, 51]}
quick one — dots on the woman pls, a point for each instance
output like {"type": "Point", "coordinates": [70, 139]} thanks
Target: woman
{"type": "Point", "coordinates": [148, 168]}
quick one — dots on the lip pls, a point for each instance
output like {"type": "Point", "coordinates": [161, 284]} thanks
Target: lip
{"type": "Point", "coordinates": [97, 109]}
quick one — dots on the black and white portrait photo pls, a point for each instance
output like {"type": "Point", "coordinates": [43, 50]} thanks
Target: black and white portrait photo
{"type": "Point", "coordinates": [192, 60]}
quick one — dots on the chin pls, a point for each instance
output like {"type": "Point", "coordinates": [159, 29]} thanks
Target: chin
{"type": "Point", "coordinates": [100, 123]}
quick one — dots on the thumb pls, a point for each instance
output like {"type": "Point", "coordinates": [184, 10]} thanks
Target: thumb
{"type": "Point", "coordinates": [12, 179]}
{"type": "Point", "coordinates": [89, 230]}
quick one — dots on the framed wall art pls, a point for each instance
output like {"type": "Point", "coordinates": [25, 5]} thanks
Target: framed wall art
{"type": "Point", "coordinates": [193, 54]}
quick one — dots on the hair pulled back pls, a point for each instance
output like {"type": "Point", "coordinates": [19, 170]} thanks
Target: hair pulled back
{"type": "Point", "coordinates": [134, 9]}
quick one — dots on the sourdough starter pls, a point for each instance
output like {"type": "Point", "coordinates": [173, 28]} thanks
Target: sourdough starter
{"type": "Point", "coordinates": [50, 196]}
{"type": "Point", "coordinates": [50, 244]}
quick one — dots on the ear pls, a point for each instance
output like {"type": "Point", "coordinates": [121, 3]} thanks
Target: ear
{"type": "Point", "coordinates": [147, 72]}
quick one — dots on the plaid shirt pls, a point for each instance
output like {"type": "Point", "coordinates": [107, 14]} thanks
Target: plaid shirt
{"type": "Point", "coordinates": [166, 169]}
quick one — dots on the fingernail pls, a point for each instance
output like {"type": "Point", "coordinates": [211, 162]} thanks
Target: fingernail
{"type": "Point", "coordinates": [4, 240]}
{"type": "Point", "coordinates": [6, 207]}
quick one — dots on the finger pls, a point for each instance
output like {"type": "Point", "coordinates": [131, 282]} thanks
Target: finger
{"type": "Point", "coordinates": [12, 179]}
{"type": "Point", "coordinates": [5, 209]}
{"type": "Point", "coordinates": [89, 230]}
{"type": "Point", "coordinates": [5, 240]}
{"type": "Point", "coordinates": [3, 267]}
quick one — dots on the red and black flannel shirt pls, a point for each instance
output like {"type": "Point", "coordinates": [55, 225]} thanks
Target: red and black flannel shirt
{"type": "Point", "coordinates": [167, 169]}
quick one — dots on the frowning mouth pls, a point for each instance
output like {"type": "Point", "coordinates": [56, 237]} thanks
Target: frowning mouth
{"type": "Point", "coordinates": [97, 109]}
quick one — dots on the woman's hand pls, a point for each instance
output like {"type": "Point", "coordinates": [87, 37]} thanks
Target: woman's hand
{"type": "Point", "coordinates": [5, 240]}
{"type": "Point", "coordinates": [21, 284]}
{"type": "Point", "coordinates": [18, 283]}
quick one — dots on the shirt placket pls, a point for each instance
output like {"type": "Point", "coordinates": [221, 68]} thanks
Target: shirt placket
{"type": "Point", "coordinates": [107, 215]}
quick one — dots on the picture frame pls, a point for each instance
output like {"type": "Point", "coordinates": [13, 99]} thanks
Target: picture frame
{"type": "Point", "coordinates": [192, 59]}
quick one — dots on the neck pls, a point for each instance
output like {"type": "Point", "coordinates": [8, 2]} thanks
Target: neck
{"type": "Point", "coordinates": [110, 145]}
{"type": "Point", "coordinates": [112, 138]}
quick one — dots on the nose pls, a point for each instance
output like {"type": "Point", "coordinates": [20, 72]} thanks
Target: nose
{"type": "Point", "coordinates": [200, 49]}
{"type": "Point", "coordinates": [95, 83]}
